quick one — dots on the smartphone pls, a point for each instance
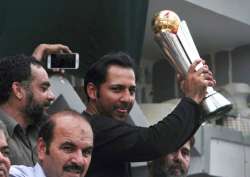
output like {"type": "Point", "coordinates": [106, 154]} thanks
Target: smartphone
{"type": "Point", "coordinates": [63, 61]}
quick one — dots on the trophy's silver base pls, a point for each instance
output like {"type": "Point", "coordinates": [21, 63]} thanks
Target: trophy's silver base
{"type": "Point", "coordinates": [215, 104]}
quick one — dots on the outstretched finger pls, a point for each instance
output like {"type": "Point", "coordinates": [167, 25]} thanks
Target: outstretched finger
{"type": "Point", "coordinates": [63, 48]}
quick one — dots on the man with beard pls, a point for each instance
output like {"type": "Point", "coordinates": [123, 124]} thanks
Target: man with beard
{"type": "Point", "coordinates": [110, 86]}
{"type": "Point", "coordinates": [64, 146]}
{"type": "Point", "coordinates": [175, 164]}
{"type": "Point", "coordinates": [25, 93]}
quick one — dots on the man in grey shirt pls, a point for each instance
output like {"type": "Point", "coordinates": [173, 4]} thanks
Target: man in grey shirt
{"type": "Point", "coordinates": [24, 95]}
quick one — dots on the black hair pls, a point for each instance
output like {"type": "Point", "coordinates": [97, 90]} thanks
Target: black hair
{"type": "Point", "coordinates": [14, 69]}
{"type": "Point", "coordinates": [97, 73]}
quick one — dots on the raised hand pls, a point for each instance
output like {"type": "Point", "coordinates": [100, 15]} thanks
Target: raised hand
{"type": "Point", "coordinates": [195, 83]}
{"type": "Point", "coordinates": [43, 50]}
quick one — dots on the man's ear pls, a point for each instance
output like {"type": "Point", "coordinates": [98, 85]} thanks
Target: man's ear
{"type": "Point", "coordinates": [92, 91]}
{"type": "Point", "coordinates": [18, 90]}
{"type": "Point", "coordinates": [41, 148]}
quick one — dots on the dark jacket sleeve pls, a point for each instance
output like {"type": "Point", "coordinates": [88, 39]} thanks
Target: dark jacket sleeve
{"type": "Point", "coordinates": [116, 140]}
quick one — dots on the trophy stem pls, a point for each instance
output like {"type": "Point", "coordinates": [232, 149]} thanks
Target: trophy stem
{"type": "Point", "coordinates": [215, 104]}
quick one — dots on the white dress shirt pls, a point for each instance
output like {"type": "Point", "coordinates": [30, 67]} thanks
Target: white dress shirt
{"type": "Point", "coordinates": [25, 171]}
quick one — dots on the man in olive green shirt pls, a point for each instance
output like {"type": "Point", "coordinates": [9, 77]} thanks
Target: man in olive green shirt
{"type": "Point", "coordinates": [25, 94]}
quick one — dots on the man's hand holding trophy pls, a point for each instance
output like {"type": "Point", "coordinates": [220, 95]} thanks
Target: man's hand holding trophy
{"type": "Point", "coordinates": [175, 40]}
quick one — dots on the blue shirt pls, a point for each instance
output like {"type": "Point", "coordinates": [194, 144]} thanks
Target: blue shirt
{"type": "Point", "coordinates": [25, 171]}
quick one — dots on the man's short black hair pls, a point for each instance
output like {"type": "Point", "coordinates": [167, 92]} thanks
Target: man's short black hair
{"type": "Point", "coordinates": [98, 71]}
{"type": "Point", "coordinates": [14, 69]}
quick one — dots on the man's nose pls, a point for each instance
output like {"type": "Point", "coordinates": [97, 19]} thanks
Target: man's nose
{"type": "Point", "coordinates": [177, 155]}
{"type": "Point", "coordinates": [79, 158]}
{"type": "Point", "coordinates": [127, 96]}
{"type": "Point", "coordinates": [3, 157]}
{"type": "Point", "coordinates": [51, 95]}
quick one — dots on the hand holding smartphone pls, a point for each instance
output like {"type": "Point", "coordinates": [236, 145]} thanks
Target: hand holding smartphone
{"type": "Point", "coordinates": [63, 61]}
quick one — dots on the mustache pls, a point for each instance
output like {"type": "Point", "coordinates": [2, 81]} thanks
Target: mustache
{"type": "Point", "coordinates": [46, 104]}
{"type": "Point", "coordinates": [127, 106]}
{"type": "Point", "coordinates": [73, 168]}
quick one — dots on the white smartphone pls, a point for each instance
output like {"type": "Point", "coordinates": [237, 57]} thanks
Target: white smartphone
{"type": "Point", "coordinates": [63, 61]}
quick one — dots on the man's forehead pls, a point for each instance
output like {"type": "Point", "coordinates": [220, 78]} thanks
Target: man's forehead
{"type": "Point", "coordinates": [116, 68]}
{"type": "Point", "coordinates": [72, 137]}
{"type": "Point", "coordinates": [67, 123]}
{"type": "Point", "coordinates": [120, 74]}
{"type": "Point", "coordinates": [39, 73]}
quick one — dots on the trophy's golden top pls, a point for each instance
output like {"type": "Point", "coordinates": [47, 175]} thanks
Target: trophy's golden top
{"type": "Point", "coordinates": [166, 20]}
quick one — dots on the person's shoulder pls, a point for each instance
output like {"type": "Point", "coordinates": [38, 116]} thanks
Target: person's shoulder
{"type": "Point", "coordinates": [26, 171]}
{"type": "Point", "coordinates": [9, 122]}
{"type": "Point", "coordinates": [20, 171]}
{"type": "Point", "coordinates": [101, 122]}
{"type": "Point", "coordinates": [96, 118]}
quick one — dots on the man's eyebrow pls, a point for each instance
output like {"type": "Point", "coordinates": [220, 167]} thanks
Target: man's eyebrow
{"type": "Point", "coordinates": [89, 148]}
{"type": "Point", "coordinates": [186, 149]}
{"type": "Point", "coordinates": [121, 85]}
{"type": "Point", "coordinates": [68, 143]}
{"type": "Point", "coordinates": [5, 147]}
{"type": "Point", "coordinates": [46, 84]}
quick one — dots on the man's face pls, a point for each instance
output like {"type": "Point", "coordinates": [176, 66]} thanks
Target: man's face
{"type": "Point", "coordinates": [69, 154]}
{"type": "Point", "coordinates": [116, 95]}
{"type": "Point", "coordinates": [4, 156]}
{"type": "Point", "coordinates": [177, 163]}
{"type": "Point", "coordinates": [39, 94]}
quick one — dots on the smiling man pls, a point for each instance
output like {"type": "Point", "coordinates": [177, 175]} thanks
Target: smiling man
{"type": "Point", "coordinates": [110, 86]}
{"type": "Point", "coordinates": [64, 146]}
{"type": "Point", "coordinates": [25, 94]}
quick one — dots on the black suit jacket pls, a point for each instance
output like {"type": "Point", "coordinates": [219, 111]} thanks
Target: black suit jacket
{"type": "Point", "coordinates": [116, 143]}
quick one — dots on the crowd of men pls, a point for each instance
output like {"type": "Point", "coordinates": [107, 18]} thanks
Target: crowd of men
{"type": "Point", "coordinates": [97, 142]}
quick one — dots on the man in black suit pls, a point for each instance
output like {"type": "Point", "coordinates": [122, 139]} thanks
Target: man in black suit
{"type": "Point", "coordinates": [110, 86]}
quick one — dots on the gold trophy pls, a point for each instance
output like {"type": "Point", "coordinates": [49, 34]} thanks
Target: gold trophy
{"type": "Point", "coordinates": [176, 42]}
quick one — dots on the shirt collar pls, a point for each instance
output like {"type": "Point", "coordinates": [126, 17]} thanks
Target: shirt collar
{"type": "Point", "coordinates": [38, 170]}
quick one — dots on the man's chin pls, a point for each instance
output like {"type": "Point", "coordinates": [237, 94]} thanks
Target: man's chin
{"type": "Point", "coordinates": [46, 107]}
{"type": "Point", "coordinates": [72, 174]}
{"type": "Point", "coordinates": [121, 117]}
{"type": "Point", "coordinates": [176, 173]}
{"type": "Point", "coordinates": [3, 173]}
